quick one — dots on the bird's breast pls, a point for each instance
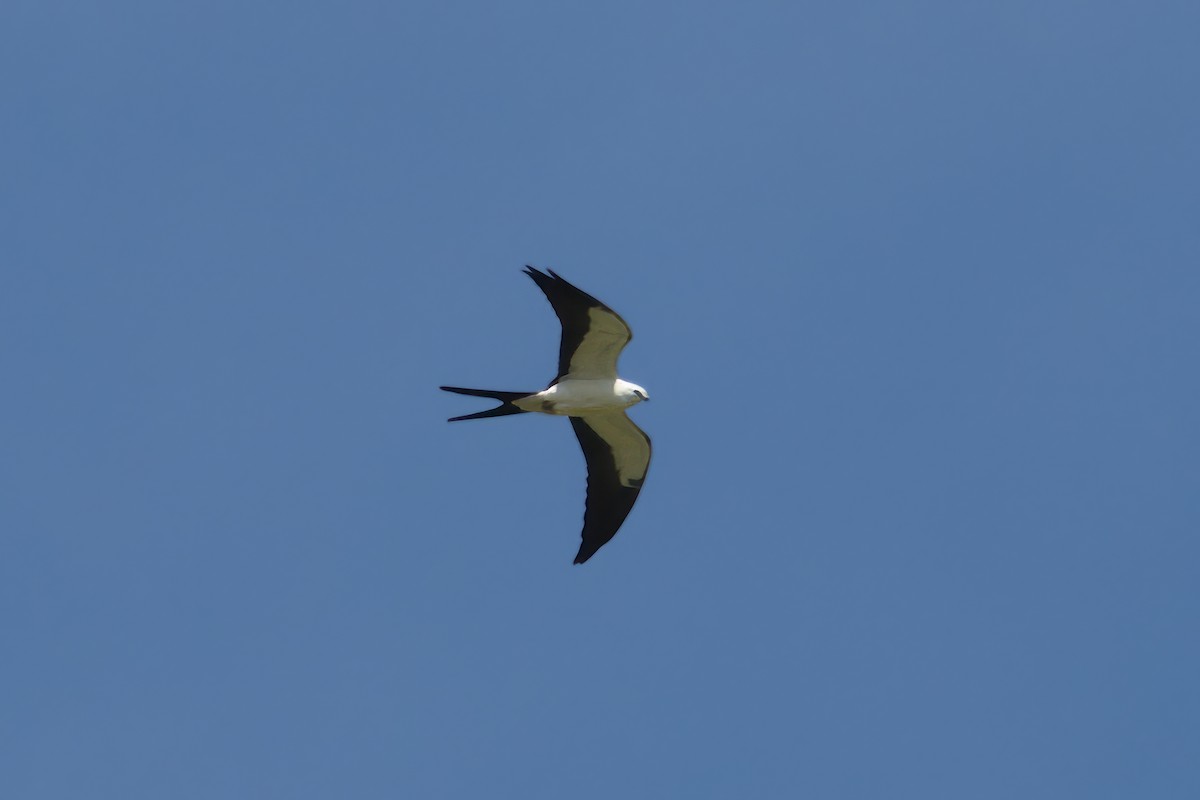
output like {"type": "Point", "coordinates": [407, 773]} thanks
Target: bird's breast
{"type": "Point", "coordinates": [576, 397]}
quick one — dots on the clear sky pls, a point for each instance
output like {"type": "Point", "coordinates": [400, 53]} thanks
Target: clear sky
{"type": "Point", "coordinates": [916, 292]}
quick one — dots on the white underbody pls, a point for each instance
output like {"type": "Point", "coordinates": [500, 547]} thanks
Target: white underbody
{"type": "Point", "coordinates": [577, 397]}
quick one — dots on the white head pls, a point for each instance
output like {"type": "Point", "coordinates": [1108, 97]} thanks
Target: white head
{"type": "Point", "coordinates": [631, 393]}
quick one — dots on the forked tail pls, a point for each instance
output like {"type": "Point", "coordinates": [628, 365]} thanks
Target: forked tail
{"type": "Point", "coordinates": [502, 410]}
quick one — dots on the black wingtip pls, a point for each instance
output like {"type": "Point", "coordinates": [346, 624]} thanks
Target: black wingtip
{"type": "Point", "coordinates": [540, 278]}
{"type": "Point", "coordinates": [531, 271]}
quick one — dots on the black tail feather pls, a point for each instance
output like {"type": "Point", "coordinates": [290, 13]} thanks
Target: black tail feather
{"type": "Point", "coordinates": [502, 410]}
{"type": "Point", "coordinates": [504, 397]}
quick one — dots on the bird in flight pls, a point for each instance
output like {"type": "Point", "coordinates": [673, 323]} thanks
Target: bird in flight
{"type": "Point", "coordinates": [588, 392]}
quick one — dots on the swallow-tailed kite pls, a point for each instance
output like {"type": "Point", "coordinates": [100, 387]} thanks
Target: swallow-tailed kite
{"type": "Point", "coordinates": [588, 391]}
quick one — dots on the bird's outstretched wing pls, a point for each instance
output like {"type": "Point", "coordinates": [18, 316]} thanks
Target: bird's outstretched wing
{"type": "Point", "coordinates": [618, 457]}
{"type": "Point", "coordinates": [593, 335]}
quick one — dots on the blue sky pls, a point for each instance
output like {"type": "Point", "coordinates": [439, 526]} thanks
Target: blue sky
{"type": "Point", "coordinates": [915, 291]}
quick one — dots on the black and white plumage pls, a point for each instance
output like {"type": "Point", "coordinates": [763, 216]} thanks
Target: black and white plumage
{"type": "Point", "coordinates": [588, 391]}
